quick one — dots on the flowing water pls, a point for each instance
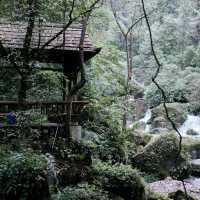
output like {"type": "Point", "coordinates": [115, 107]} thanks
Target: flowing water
{"type": "Point", "coordinates": [147, 116]}
{"type": "Point", "coordinates": [192, 123]}
{"type": "Point", "coordinates": [145, 120]}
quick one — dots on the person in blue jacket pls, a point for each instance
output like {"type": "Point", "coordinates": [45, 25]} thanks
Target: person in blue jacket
{"type": "Point", "coordinates": [11, 118]}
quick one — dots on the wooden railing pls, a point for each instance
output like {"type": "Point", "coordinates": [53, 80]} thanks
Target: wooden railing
{"type": "Point", "coordinates": [75, 107]}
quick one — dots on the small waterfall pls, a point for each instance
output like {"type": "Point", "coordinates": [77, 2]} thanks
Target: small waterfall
{"type": "Point", "coordinates": [147, 117]}
{"type": "Point", "coordinates": [192, 123]}
{"type": "Point", "coordinates": [143, 122]}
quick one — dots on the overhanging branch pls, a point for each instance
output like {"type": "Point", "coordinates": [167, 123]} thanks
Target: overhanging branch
{"type": "Point", "coordinates": [159, 65]}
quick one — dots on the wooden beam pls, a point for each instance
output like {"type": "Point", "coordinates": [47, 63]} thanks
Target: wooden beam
{"type": "Point", "coordinates": [42, 68]}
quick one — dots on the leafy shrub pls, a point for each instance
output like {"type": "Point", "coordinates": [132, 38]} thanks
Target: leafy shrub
{"type": "Point", "coordinates": [22, 175]}
{"type": "Point", "coordinates": [82, 192]}
{"type": "Point", "coordinates": [120, 179]}
{"type": "Point", "coordinates": [30, 116]}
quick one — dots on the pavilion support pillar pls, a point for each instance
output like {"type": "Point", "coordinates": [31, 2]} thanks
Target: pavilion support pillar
{"type": "Point", "coordinates": [76, 132]}
{"type": "Point", "coordinates": [66, 109]}
{"type": "Point", "coordinates": [64, 85]}
{"type": "Point", "coordinates": [22, 89]}
{"type": "Point", "coordinates": [70, 70]}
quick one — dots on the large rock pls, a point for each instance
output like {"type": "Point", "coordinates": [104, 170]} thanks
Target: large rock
{"type": "Point", "coordinates": [177, 112]}
{"type": "Point", "coordinates": [180, 195]}
{"type": "Point", "coordinates": [175, 190]}
{"type": "Point", "coordinates": [192, 146]}
{"type": "Point", "coordinates": [160, 156]}
{"type": "Point", "coordinates": [195, 167]}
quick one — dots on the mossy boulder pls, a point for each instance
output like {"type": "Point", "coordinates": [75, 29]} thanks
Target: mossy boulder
{"type": "Point", "coordinates": [23, 176]}
{"type": "Point", "coordinates": [177, 112]}
{"type": "Point", "coordinates": [160, 156]}
{"type": "Point", "coordinates": [195, 167]}
{"type": "Point", "coordinates": [141, 139]}
{"type": "Point", "coordinates": [192, 146]}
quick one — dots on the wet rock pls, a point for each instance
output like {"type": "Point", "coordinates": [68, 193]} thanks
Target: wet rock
{"type": "Point", "coordinates": [180, 195]}
{"type": "Point", "coordinates": [177, 112]}
{"type": "Point", "coordinates": [192, 132]}
{"type": "Point", "coordinates": [175, 190]}
{"type": "Point", "coordinates": [195, 167]}
{"type": "Point", "coordinates": [90, 135]}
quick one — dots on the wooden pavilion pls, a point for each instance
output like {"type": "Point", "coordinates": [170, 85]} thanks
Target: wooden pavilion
{"type": "Point", "coordinates": [47, 48]}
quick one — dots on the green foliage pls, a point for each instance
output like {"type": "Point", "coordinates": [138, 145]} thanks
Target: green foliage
{"type": "Point", "coordinates": [25, 118]}
{"type": "Point", "coordinates": [20, 171]}
{"type": "Point", "coordinates": [83, 191]}
{"type": "Point", "coordinates": [45, 85]}
{"type": "Point", "coordinates": [182, 89]}
{"type": "Point", "coordinates": [120, 171]}
{"type": "Point", "coordinates": [120, 179]}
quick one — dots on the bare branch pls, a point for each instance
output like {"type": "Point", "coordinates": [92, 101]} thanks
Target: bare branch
{"type": "Point", "coordinates": [31, 22]}
{"type": "Point", "coordinates": [116, 20]}
{"type": "Point", "coordinates": [82, 82]}
{"type": "Point", "coordinates": [162, 91]}
{"type": "Point", "coordinates": [71, 20]}
{"type": "Point", "coordinates": [138, 20]}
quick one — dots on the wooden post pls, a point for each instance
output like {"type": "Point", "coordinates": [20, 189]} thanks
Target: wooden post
{"type": "Point", "coordinates": [66, 107]}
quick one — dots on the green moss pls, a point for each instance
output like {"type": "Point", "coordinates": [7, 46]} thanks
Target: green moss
{"type": "Point", "coordinates": [142, 138]}
{"type": "Point", "coordinates": [159, 157]}
{"type": "Point", "coordinates": [190, 144]}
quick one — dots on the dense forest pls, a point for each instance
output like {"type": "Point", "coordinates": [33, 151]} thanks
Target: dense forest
{"type": "Point", "coordinates": [100, 99]}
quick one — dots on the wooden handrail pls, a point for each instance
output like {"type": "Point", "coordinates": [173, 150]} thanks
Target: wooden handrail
{"type": "Point", "coordinates": [39, 103]}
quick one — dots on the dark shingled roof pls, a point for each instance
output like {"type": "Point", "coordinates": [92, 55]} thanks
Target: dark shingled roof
{"type": "Point", "coordinates": [12, 36]}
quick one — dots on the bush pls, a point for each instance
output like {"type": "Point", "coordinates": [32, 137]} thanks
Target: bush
{"type": "Point", "coordinates": [83, 192]}
{"type": "Point", "coordinates": [22, 176]}
{"type": "Point", "coordinates": [120, 180]}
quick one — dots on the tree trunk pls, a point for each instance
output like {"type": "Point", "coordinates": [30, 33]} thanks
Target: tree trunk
{"type": "Point", "coordinates": [22, 89]}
